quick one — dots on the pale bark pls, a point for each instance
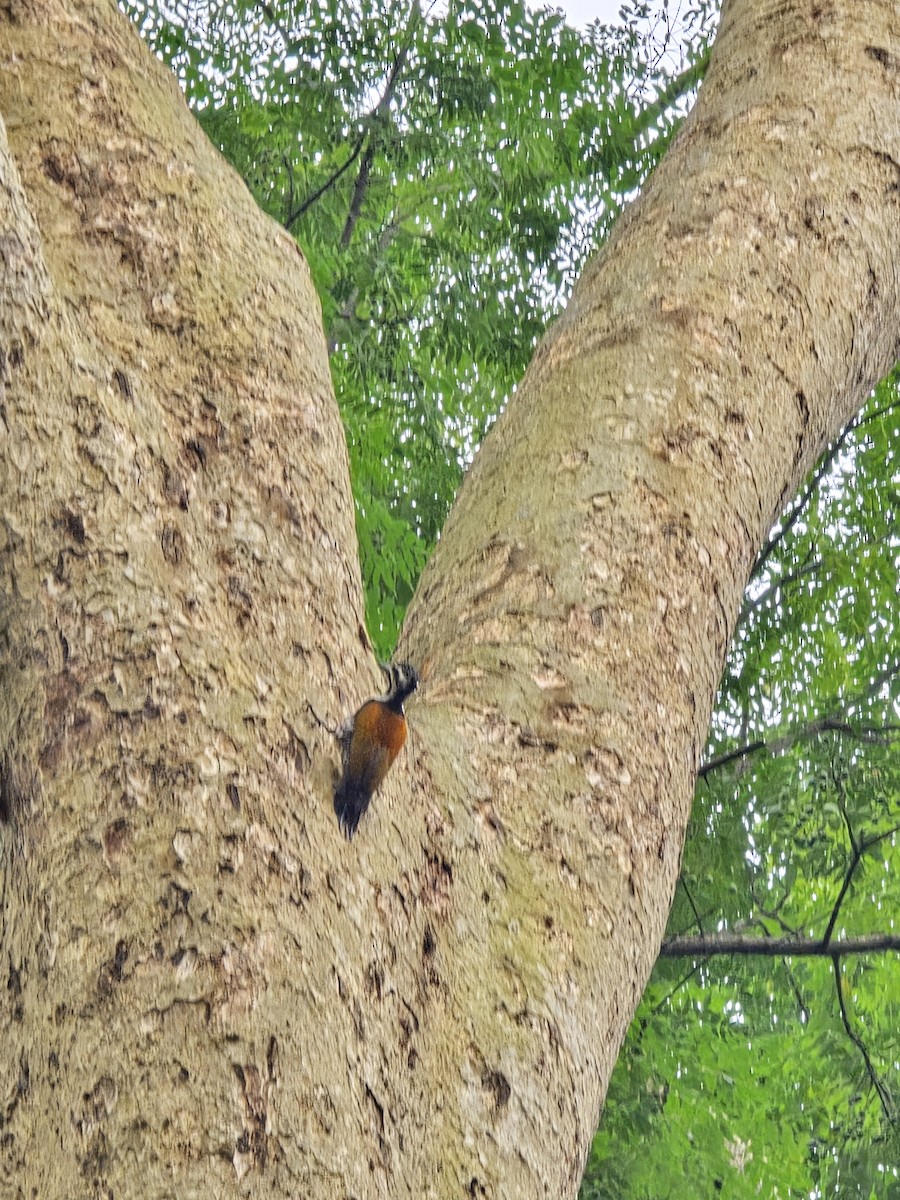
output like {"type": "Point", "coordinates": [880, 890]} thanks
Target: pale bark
{"type": "Point", "coordinates": [208, 991]}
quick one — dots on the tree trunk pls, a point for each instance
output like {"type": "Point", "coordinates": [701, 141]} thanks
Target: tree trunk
{"type": "Point", "coordinates": [209, 992]}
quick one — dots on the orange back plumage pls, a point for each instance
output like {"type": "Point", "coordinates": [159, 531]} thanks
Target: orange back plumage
{"type": "Point", "coordinates": [370, 743]}
{"type": "Point", "coordinates": [378, 737]}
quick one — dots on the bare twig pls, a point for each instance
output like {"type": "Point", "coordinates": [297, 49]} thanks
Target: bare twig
{"type": "Point", "coordinates": [794, 946]}
{"type": "Point", "coordinates": [795, 987]}
{"type": "Point", "coordinates": [769, 595]}
{"type": "Point", "coordinates": [789, 947]}
{"type": "Point", "coordinates": [856, 852]}
{"type": "Point", "coordinates": [379, 113]}
{"type": "Point", "coordinates": [690, 899]}
{"type": "Point", "coordinates": [723, 760]}
{"type": "Point", "coordinates": [332, 179]}
{"type": "Point", "coordinates": [834, 722]}
{"type": "Point", "coordinates": [657, 1008]}
{"type": "Point", "coordinates": [272, 17]}
{"type": "Point", "coordinates": [821, 470]}
{"type": "Point", "coordinates": [802, 500]}
{"type": "Point", "coordinates": [365, 140]}
{"type": "Point", "coordinates": [887, 1100]}
{"type": "Point", "coordinates": [346, 314]}
{"type": "Point", "coordinates": [879, 412]}
{"type": "Point", "coordinates": [858, 849]}
{"type": "Point", "coordinates": [883, 677]}
{"type": "Point", "coordinates": [677, 86]}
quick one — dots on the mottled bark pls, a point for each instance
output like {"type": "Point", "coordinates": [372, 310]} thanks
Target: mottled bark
{"type": "Point", "coordinates": [208, 991]}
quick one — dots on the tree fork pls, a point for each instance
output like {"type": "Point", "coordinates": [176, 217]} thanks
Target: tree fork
{"type": "Point", "coordinates": [209, 990]}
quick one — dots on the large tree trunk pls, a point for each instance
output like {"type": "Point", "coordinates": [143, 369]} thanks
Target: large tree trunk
{"type": "Point", "coordinates": [208, 991]}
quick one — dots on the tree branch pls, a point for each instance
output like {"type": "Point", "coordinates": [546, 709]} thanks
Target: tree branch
{"type": "Point", "coordinates": [858, 849]}
{"type": "Point", "coordinates": [802, 500]}
{"type": "Point", "coordinates": [879, 412]}
{"type": "Point", "coordinates": [794, 946]}
{"type": "Point", "coordinates": [272, 17]}
{"type": "Point", "coordinates": [768, 595]}
{"type": "Point", "coordinates": [887, 1101]}
{"type": "Point", "coordinates": [798, 996]}
{"type": "Point", "coordinates": [723, 760]}
{"type": "Point", "coordinates": [748, 945]}
{"type": "Point", "coordinates": [674, 90]}
{"type": "Point", "coordinates": [310, 200]}
{"type": "Point", "coordinates": [346, 314]}
{"type": "Point", "coordinates": [690, 899]}
{"type": "Point", "coordinates": [380, 110]}
{"type": "Point", "coordinates": [834, 722]}
{"type": "Point", "coordinates": [856, 852]}
{"type": "Point", "coordinates": [658, 1008]}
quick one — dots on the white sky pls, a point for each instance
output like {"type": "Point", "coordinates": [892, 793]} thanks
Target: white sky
{"type": "Point", "coordinates": [582, 12]}
{"type": "Point", "coordinates": [578, 12]}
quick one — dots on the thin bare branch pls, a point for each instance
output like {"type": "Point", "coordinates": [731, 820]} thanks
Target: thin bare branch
{"type": "Point", "coordinates": [346, 314]}
{"type": "Point", "coordinates": [332, 179]}
{"type": "Point", "coordinates": [858, 849]}
{"type": "Point", "coordinates": [378, 115]}
{"type": "Point", "coordinates": [690, 900]}
{"type": "Point", "coordinates": [806, 495]}
{"type": "Point", "coordinates": [657, 1008]}
{"type": "Point", "coordinates": [271, 16]}
{"type": "Point", "coordinates": [871, 417]}
{"type": "Point", "coordinates": [802, 500]}
{"type": "Point", "coordinates": [769, 596]}
{"type": "Point", "coordinates": [887, 1100]}
{"type": "Point", "coordinates": [787, 947]}
{"type": "Point", "coordinates": [834, 722]}
{"type": "Point", "coordinates": [724, 760]}
{"type": "Point", "coordinates": [798, 995]}
{"type": "Point", "coordinates": [675, 90]}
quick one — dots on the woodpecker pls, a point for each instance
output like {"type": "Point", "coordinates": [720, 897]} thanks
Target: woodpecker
{"type": "Point", "coordinates": [370, 741]}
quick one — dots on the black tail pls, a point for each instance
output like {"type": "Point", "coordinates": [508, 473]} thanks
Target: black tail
{"type": "Point", "coordinates": [350, 802]}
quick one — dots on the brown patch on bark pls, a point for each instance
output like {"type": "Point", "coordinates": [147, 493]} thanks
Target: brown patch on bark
{"type": "Point", "coordinates": [18, 790]}
{"type": "Point", "coordinates": [497, 1084]}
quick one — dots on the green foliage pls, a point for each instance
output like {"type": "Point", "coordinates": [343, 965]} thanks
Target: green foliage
{"type": "Point", "coordinates": [446, 176]}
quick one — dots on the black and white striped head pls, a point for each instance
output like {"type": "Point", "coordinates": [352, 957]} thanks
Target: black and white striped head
{"type": "Point", "coordinates": [403, 681]}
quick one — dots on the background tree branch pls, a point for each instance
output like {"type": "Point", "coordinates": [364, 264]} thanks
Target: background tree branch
{"type": "Point", "coordinates": [743, 944]}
